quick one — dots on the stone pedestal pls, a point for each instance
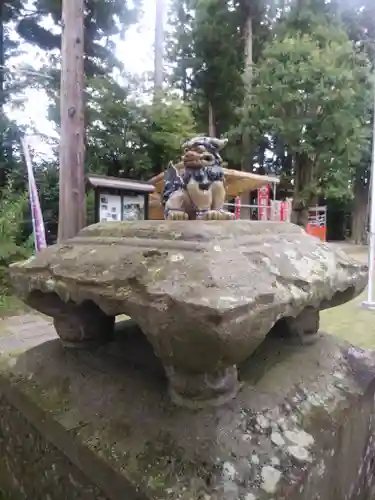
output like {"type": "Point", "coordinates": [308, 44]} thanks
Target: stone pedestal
{"type": "Point", "coordinates": [100, 425]}
{"type": "Point", "coordinates": [205, 293]}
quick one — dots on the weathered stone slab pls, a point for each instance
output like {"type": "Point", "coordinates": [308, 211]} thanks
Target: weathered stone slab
{"type": "Point", "coordinates": [98, 425]}
{"type": "Point", "coordinates": [205, 293]}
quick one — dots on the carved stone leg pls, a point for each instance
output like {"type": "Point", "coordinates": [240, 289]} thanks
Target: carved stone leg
{"type": "Point", "coordinates": [217, 215]}
{"type": "Point", "coordinates": [175, 207]}
{"type": "Point", "coordinates": [197, 390]}
{"type": "Point", "coordinates": [82, 325]}
{"type": "Point", "coordinates": [76, 324]}
{"type": "Point", "coordinates": [304, 328]}
{"type": "Point", "coordinates": [177, 215]}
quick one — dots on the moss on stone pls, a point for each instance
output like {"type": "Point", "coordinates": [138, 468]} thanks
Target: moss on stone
{"type": "Point", "coordinates": [53, 399]}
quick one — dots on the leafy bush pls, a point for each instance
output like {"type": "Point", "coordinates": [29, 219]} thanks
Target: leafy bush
{"type": "Point", "coordinates": [12, 248]}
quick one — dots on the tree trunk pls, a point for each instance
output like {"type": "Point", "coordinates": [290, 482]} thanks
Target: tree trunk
{"type": "Point", "coordinates": [247, 163]}
{"type": "Point", "coordinates": [3, 169]}
{"type": "Point", "coordinates": [2, 57]}
{"type": "Point", "coordinates": [211, 121]}
{"type": "Point", "coordinates": [159, 41]}
{"type": "Point", "coordinates": [184, 83]}
{"type": "Point", "coordinates": [360, 209]}
{"type": "Point", "coordinates": [302, 195]}
{"type": "Point", "coordinates": [72, 210]}
{"type": "Point", "coordinates": [248, 73]}
{"type": "Point", "coordinates": [249, 46]}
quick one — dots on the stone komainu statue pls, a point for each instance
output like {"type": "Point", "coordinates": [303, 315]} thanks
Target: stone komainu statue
{"type": "Point", "coordinates": [194, 189]}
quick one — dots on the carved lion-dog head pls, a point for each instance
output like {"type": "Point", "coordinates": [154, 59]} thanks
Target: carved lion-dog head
{"type": "Point", "coordinates": [202, 167]}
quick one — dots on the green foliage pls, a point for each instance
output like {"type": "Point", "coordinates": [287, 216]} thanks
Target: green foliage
{"type": "Point", "coordinates": [218, 63]}
{"type": "Point", "coordinates": [103, 19]}
{"type": "Point", "coordinates": [130, 137]}
{"type": "Point", "coordinates": [12, 247]}
{"type": "Point", "coordinates": [312, 92]}
{"type": "Point", "coordinates": [168, 122]}
{"type": "Point", "coordinates": [206, 54]}
{"type": "Point", "coordinates": [9, 134]}
{"type": "Point", "coordinates": [179, 48]}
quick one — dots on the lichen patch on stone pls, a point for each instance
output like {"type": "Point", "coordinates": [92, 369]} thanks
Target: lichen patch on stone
{"type": "Point", "coordinates": [270, 479]}
{"type": "Point", "coordinates": [300, 438]}
{"type": "Point", "coordinates": [277, 439]}
{"type": "Point", "coordinates": [299, 453]}
{"type": "Point", "coordinates": [229, 471]}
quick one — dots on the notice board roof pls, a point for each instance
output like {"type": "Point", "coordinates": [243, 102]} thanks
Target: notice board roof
{"type": "Point", "coordinates": [102, 181]}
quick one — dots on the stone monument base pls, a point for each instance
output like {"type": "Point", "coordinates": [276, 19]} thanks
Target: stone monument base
{"type": "Point", "coordinates": [100, 425]}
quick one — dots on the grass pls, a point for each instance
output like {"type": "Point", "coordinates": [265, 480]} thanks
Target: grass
{"type": "Point", "coordinates": [4, 496]}
{"type": "Point", "coordinates": [350, 321]}
{"type": "Point", "coordinates": [10, 306]}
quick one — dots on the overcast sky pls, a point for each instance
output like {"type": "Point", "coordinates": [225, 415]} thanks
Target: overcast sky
{"type": "Point", "coordinates": [136, 52]}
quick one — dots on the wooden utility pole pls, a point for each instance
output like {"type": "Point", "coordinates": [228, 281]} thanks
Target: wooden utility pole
{"type": "Point", "coordinates": [248, 75]}
{"type": "Point", "coordinates": [72, 211]}
{"type": "Point", "coordinates": [211, 121]}
{"type": "Point", "coordinates": [2, 55]}
{"type": "Point", "coordinates": [159, 46]}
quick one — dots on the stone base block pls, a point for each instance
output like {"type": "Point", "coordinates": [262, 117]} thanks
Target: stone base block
{"type": "Point", "coordinates": [100, 425]}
